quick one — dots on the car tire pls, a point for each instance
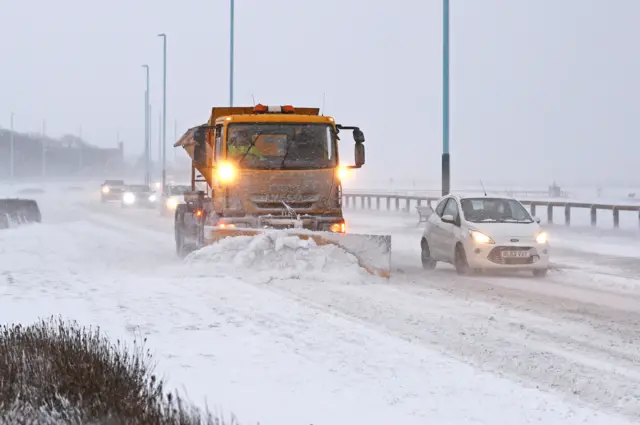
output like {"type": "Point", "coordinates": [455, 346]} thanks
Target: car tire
{"type": "Point", "coordinates": [540, 272]}
{"type": "Point", "coordinates": [428, 263]}
{"type": "Point", "coordinates": [460, 261]}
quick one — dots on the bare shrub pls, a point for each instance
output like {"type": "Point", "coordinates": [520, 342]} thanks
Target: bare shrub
{"type": "Point", "coordinates": [54, 372]}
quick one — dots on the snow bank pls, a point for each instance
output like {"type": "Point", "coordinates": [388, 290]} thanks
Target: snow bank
{"type": "Point", "coordinates": [277, 255]}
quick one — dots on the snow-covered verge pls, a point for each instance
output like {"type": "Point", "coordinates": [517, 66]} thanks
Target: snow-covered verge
{"type": "Point", "coordinates": [57, 373]}
{"type": "Point", "coordinates": [280, 345]}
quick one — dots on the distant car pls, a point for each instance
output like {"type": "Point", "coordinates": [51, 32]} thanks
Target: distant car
{"type": "Point", "coordinates": [139, 195]}
{"type": "Point", "coordinates": [172, 197]}
{"type": "Point", "coordinates": [477, 233]}
{"type": "Point", "coordinates": [112, 190]}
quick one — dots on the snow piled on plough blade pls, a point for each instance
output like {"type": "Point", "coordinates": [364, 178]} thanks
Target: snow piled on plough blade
{"type": "Point", "coordinates": [370, 252]}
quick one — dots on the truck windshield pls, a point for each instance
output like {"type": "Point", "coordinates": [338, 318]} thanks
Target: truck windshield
{"type": "Point", "coordinates": [290, 146]}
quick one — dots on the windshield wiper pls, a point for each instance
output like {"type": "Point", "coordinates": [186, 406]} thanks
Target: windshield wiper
{"type": "Point", "coordinates": [286, 153]}
{"type": "Point", "coordinates": [253, 143]}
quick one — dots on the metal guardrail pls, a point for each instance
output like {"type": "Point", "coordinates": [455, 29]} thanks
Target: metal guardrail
{"type": "Point", "coordinates": [350, 200]}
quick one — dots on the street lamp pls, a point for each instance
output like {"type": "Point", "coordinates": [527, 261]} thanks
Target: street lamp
{"type": "Point", "coordinates": [446, 163]}
{"type": "Point", "coordinates": [164, 112]}
{"type": "Point", "coordinates": [231, 45]}
{"type": "Point", "coordinates": [147, 140]}
{"type": "Point", "coordinates": [12, 149]}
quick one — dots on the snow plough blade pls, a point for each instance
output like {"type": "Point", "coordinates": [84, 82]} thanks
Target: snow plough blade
{"type": "Point", "coordinates": [18, 211]}
{"type": "Point", "coordinates": [373, 252]}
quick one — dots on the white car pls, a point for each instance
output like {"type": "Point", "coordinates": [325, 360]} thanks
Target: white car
{"type": "Point", "coordinates": [484, 232]}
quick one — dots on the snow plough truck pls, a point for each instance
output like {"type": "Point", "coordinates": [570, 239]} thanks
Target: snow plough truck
{"type": "Point", "coordinates": [271, 167]}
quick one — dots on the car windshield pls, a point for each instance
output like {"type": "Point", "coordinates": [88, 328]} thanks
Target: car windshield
{"type": "Point", "coordinates": [290, 146]}
{"type": "Point", "coordinates": [179, 190]}
{"type": "Point", "coordinates": [114, 183]}
{"type": "Point", "coordinates": [499, 210]}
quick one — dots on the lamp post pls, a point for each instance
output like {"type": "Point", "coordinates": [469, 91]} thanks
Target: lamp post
{"type": "Point", "coordinates": [44, 151]}
{"type": "Point", "coordinates": [147, 178]}
{"type": "Point", "coordinates": [12, 153]}
{"type": "Point", "coordinates": [446, 161]}
{"type": "Point", "coordinates": [164, 112]}
{"type": "Point", "coordinates": [231, 48]}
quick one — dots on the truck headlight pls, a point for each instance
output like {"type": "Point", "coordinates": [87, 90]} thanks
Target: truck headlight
{"type": "Point", "coordinates": [105, 189]}
{"type": "Point", "coordinates": [226, 172]}
{"type": "Point", "coordinates": [338, 227]}
{"type": "Point", "coordinates": [128, 198]}
{"type": "Point", "coordinates": [342, 172]}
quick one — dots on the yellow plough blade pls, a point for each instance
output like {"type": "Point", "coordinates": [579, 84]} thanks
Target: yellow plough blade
{"type": "Point", "coordinates": [372, 251]}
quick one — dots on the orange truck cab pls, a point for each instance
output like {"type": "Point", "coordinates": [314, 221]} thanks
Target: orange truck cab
{"type": "Point", "coordinates": [265, 167]}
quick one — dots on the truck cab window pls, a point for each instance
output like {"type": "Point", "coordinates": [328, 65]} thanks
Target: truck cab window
{"type": "Point", "coordinates": [219, 145]}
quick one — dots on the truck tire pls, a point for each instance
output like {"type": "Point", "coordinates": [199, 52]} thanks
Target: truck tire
{"type": "Point", "coordinates": [183, 247]}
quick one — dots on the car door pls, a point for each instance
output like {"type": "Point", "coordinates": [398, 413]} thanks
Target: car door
{"type": "Point", "coordinates": [435, 231]}
{"type": "Point", "coordinates": [450, 231]}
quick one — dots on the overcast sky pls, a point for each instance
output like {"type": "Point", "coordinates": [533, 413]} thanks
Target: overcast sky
{"type": "Point", "coordinates": [540, 89]}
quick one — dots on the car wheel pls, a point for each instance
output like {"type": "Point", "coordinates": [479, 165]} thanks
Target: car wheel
{"type": "Point", "coordinates": [460, 261]}
{"type": "Point", "coordinates": [428, 263]}
{"type": "Point", "coordinates": [540, 272]}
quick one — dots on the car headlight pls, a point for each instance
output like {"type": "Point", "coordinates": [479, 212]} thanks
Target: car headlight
{"type": "Point", "coordinates": [152, 198]}
{"type": "Point", "coordinates": [479, 237]}
{"type": "Point", "coordinates": [542, 238]}
{"type": "Point", "coordinates": [105, 189]}
{"type": "Point", "coordinates": [172, 203]}
{"type": "Point", "coordinates": [226, 172]}
{"type": "Point", "coordinates": [129, 198]}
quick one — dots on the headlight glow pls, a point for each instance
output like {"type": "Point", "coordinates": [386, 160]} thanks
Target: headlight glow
{"type": "Point", "coordinates": [152, 198]}
{"type": "Point", "coordinates": [542, 238]}
{"type": "Point", "coordinates": [226, 172]}
{"type": "Point", "coordinates": [338, 227]}
{"type": "Point", "coordinates": [172, 203]}
{"type": "Point", "coordinates": [480, 237]}
{"type": "Point", "coordinates": [105, 189]}
{"type": "Point", "coordinates": [342, 172]}
{"type": "Point", "coordinates": [128, 198]}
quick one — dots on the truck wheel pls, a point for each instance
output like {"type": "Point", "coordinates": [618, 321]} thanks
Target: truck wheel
{"type": "Point", "coordinates": [183, 248]}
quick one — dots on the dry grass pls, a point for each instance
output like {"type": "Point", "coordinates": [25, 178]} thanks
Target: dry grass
{"type": "Point", "coordinates": [54, 372]}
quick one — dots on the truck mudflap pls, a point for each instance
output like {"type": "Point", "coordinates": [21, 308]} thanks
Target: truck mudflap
{"type": "Point", "coordinates": [373, 252]}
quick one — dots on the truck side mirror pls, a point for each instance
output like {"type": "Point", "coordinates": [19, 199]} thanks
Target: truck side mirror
{"type": "Point", "coordinates": [359, 154]}
{"type": "Point", "coordinates": [200, 147]}
{"type": "Point", "coordinates": [358, 136]}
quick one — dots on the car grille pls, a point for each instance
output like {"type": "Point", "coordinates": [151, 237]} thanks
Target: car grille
{"type": "Point", "coordinates": [495, 255]}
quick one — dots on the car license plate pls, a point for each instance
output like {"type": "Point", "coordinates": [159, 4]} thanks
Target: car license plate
{"type": "Point", "coordinates": [515, 254]}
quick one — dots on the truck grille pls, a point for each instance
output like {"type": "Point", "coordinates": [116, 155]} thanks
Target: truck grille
{"type": "Point", "coordinates": [495, 255]}
{"type": "Point", "coordinates": [278, 205]}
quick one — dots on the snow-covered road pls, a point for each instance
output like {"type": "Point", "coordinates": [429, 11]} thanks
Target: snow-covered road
{"type": "Point", "coordinates": [340, 348]}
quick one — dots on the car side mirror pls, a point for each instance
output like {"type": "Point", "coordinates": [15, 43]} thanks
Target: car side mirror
{"type": "Point", "coordinates": [359, 154]}
{"type": "Point", "coordinates": [448, 218]}
{"type": "Point", "coordinates": [536, 219]}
